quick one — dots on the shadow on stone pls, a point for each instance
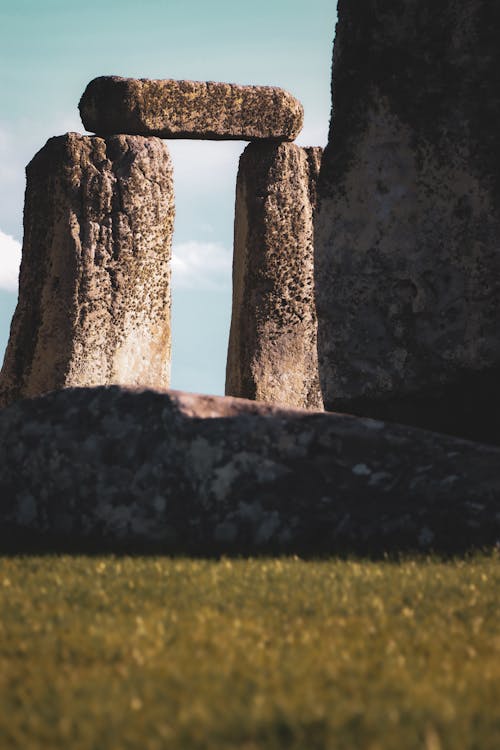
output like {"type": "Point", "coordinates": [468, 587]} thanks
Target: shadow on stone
{"type": "Point", "coordinates": [407, 260]}
{"type": "Point", "coordinates": [118, 470]}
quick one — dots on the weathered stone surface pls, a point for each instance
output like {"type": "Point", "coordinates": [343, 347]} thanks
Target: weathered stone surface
{"type": "Point", "coordinates": [195, 474]}
{"type": "Point", "coordinates": [190, 109]}
{"type": "Point", "coordinates": [408, 231]}
{"type": "Point", "coordinates": [94, 296]}
{"type": "Point", "coordinates": [272, 352]}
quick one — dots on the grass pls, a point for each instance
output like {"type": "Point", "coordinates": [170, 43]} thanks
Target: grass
{"type": "Point", "coordinates": [152, 653]}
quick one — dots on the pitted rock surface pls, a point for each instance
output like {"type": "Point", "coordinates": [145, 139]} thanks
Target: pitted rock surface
{"type": "Point", "coordinates": [94, 296]}
{"type": "Point", "coordinates": [190, 109]}
{"type": "Point", "coordinates": [119, 469]}
{"type": "Point", "coordinates": [408, 230]}
{"type": "Point", "coordinates": [272, 354]}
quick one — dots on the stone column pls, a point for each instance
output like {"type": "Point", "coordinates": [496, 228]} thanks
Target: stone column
{"type": "Point", "coordinates": [94, 289]}
{"type": "Point", "coordinates": [272, 344]}
{"type": "Point", "coordinates": [408, 229]}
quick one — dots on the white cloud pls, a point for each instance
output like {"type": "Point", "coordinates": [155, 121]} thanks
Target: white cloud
{"type": "Point", "coordinates": [201, 265]}
{"type": "Point", "coordinates": [10, 259]}
{"type": "Point", "coordinates": [205, 165]}
{"type": "Point", "coordinates": [315, 134]}
{"type": "Point", "coordinates": [213, 165]}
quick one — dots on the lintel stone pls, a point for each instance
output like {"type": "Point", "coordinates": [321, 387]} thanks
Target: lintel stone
{"type": "Point", "coordinates": [189, 109]}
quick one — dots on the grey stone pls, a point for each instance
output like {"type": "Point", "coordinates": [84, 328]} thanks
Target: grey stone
{"type": "Point", "coordinates": [190, 109]}
{"type": "Point", "coordinates": [408, 230]}
{"type": "Point", "coordinates": [94, 294]}
{"type": "Point", "coordinates": [113, 468]}
{"type": "Point", "coordinates": [272, 352]}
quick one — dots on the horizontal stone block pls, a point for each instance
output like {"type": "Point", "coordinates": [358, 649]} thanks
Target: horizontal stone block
{"type": "Point", "coordinates": [189, 109]}
{"type": "Point", "coordinates": [173, 472]}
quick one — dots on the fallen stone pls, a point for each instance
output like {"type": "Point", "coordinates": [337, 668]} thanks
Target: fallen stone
{"type": "Point", "coordinates": [115, 469]}
{"type": "Point", "coordinates": [272, 353]}
{"type": "Point", "coordinates": [190, 109]}
{"type": "Point", "coordinates": [408, 230]}
{"type": "Point", "coordinates": [94, 288]}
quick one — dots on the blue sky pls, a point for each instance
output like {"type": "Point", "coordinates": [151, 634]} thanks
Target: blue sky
{"type": "Point", "coordinates": [50, 50]}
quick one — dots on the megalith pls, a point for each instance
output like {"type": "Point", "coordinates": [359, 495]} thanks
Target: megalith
{"type": "Point", "coordinates": [116, 469]}
{"type": "Point", "coordinates": [94, 288]}
{"type": "Point", "coordinates": [408, 226]}
{"type": "Point", "coordinates": [272, 344]}
{"type": "Point", "coordinates": [190, 109]}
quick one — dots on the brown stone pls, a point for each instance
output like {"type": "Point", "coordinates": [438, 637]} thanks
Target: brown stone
{"type": "Point", "coordinates": [189, 109]}
{"type": "Point", "coordinates": [94, 294]}
{"type": "Point", "coordinates": [272, 345]}
{"type": "Point", "coordinates": [174, 472]}
{"type": "Point", "coordinates": [408, 230]}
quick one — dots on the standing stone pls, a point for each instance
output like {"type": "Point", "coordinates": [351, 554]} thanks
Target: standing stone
{"type": "Point", "coordinates": [190, 109]}
{"type": "Point", "coordinates": [94, 286]}
{"type": "Point", "coordinates": [408, 229]}
{"type": "Point", "coordinates": [272, 345]}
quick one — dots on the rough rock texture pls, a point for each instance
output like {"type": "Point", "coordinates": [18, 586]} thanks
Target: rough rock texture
{"type": "Point", "coordinates": [189, 109]}
{"type": "Point", "coordinates": [195, 474]}
{"type": "Point", "coordinates": [272, 345]}
{"type": "Point", "coordinates": [408, 231]}
{"type": "Point", "coordinates": [94, 295]}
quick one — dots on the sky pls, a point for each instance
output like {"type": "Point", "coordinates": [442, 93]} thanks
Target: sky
{"type": "Point", "coordinates": [50, 50]}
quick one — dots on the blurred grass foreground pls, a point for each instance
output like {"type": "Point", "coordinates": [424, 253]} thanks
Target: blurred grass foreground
{"type": "Point", "coordinates": [151, 653]}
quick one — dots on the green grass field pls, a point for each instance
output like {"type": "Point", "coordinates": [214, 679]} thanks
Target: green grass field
{"type": "Point", "coordinates": [145, 653]}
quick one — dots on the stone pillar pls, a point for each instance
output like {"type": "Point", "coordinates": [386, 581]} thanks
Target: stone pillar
{"type": "Point", "coordinates": [272, 344]}
{"type": "Point", "coordinates": [94, 288]}
{"type": "Point", "coordinates": [408, 229]}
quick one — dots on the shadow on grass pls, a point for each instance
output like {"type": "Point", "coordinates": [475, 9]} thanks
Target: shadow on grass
{"type": "Point", "coordinates": [14, 543]}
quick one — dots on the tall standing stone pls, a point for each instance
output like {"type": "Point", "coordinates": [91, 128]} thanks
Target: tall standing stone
{"type": "Point", "coordinates": [94, 287]}
{"type": "Point", "coordinates": [272, 344]}
{"type": "Point", "coordinates": [408, 230]}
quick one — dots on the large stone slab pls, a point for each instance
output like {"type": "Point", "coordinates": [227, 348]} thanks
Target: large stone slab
{"type": "Point", "coordinates": [272, 352]}
{"type": "Point", "coordinates": [190, 109]}
{"type": "Point", "coordinates": [94, 294]}
{"type": "Point", "coordinates": [408, 231]}
{"type": "Point", "coordinates": [173, 472]}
